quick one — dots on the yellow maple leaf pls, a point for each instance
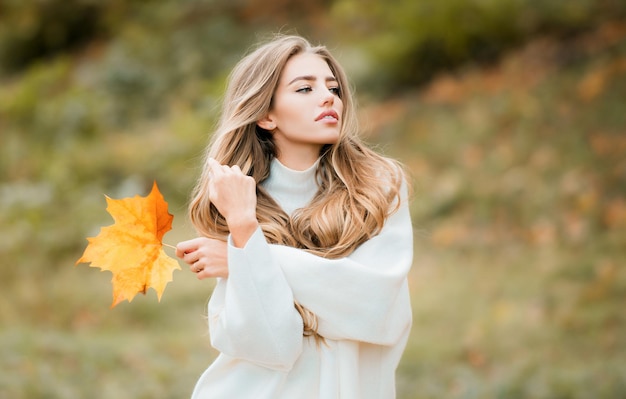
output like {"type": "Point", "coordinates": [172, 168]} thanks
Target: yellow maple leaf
{"type": "Point", "coordinates": [132, 247]}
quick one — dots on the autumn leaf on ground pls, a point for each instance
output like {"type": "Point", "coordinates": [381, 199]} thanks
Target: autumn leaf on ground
{"type": "Point", "coordinates": [132, 247]}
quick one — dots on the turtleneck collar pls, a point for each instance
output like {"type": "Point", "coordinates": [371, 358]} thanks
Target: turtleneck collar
{"type": "Point", "coordinates": [292, 189]}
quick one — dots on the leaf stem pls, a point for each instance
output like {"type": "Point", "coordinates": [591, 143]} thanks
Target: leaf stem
{"type": "Point", "coordinates": [168, 245]}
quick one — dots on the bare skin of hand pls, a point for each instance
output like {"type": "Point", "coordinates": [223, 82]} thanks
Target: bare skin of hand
{"type": "Point", "coordinates": [234, 195]}
{"type": "Point", "coordinates": [207, 257]}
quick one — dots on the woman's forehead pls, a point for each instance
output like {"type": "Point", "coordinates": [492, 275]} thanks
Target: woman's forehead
{"type": "Point", "coordinates": [308, 65]}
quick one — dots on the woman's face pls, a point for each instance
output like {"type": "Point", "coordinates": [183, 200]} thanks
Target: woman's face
{"type": "Point", "coordinates": [306, 112]}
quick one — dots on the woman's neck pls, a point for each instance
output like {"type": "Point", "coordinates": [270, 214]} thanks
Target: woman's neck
{"type": "Point", "coordinates": [299, 160]}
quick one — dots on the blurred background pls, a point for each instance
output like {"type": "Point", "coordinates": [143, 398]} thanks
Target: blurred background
{"type": "Point", "coordinates": [509, 114]}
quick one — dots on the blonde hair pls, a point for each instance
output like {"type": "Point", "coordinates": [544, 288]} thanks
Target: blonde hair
{"type": "Point", "coordinates": [358, 188]}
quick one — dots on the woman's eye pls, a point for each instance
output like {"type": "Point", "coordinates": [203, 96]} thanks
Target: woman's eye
{"type": "Point", "coordinates": [305, 89]}
{"type": "Point", "coordinates": [335, 90]}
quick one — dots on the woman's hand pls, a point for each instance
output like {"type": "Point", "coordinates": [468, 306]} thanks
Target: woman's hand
{"type": "Point", "coordinates": [234, 195]}
{"type": "Point", "coordinates": [207, 257]}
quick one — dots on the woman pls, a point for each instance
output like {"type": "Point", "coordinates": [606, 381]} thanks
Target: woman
{"type": "Point", "coordinates": [308, 234]}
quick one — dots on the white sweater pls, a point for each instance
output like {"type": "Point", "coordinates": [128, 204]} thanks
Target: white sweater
{"type": "Point", "coordinates": [361, 301]}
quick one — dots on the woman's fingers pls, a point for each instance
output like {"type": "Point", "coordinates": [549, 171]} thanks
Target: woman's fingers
{"type": "Point", "coordinates": [206, 257]}
{"type": "Point", "coordinates": [185, 247]}
{"type": "Point", "coordinates": [232, 192]}
{"type": "Point", "coordinates": [217, 169]}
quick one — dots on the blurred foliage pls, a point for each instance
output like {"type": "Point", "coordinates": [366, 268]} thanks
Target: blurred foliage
{"type": "Point", "coordinates": [409, 41]}
{"type": "Point", "coordinates": [518, 162]}
{"type": "Point", "coordinates": [33, 29]}
{"type": "Point", "coordinates": [520, 212]}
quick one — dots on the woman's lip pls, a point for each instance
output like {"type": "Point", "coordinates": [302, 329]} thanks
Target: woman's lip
{"type": "Point", "coordinates": [330, 113]}
{"type": "Point", "coordinates": [329, 121]}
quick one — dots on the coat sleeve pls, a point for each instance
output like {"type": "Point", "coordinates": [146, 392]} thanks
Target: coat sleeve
{"type": "Point", "coordinates": [251, 313]}
{"type": "Point", "coordinates": [362, 297]}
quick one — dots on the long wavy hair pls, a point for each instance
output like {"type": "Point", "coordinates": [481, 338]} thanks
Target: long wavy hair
{"type": "Point", "coordinates": [358, 188]}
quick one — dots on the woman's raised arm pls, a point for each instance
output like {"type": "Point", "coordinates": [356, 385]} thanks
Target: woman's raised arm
{"type": "Point", "coordinates": [364, 296]}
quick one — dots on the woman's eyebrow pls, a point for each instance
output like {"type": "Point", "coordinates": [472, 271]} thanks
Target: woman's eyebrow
{"type": "Point", "coordinates": [310, 78]}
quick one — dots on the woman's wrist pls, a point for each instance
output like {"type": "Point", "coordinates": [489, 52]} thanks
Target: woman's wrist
{"type": "Point", "coordinates": [241, 230]}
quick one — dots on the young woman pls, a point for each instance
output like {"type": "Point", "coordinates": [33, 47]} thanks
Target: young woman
{"type": "Point", "coordinates": [308, 233]}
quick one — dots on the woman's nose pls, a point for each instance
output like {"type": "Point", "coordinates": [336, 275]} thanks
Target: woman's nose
{"type": "Point", "coordinates": [328, 98]}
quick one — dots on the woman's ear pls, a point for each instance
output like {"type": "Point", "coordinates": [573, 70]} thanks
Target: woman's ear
{"type": "Point", "coordinates": [266, 123]}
